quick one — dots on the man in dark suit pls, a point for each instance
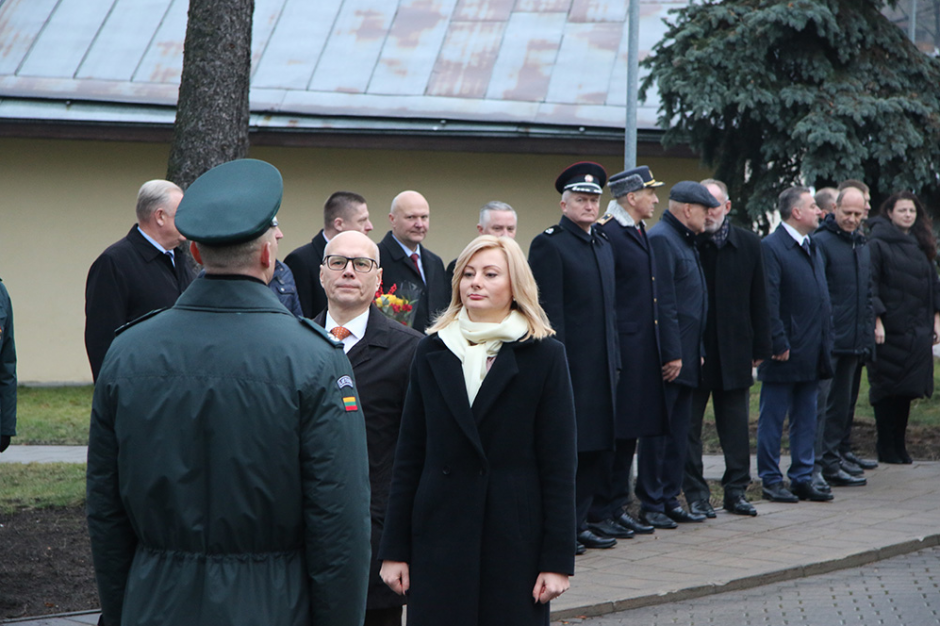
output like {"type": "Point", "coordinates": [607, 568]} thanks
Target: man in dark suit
{"type": "Point", "coordinates": [344, 210]}
{"type": "Point", "coordinates": [737, 339]}
{"type": "Point", "coordinates": [497, 219]}
{"type": "Point", "coordinates": [574, 268]}
{"type": "Point", "coordinates": [682, 306]}
{"type": "Point", "coordinates": [406, 264]}
{"type": "Point", "coordinates": [380, 352]}
{"type": "Point", "coordinates": [145, 271]}
{"type": "Point", "coordinates": [641, 400]}
{"type": "Point", "coordinates": [800, 320]}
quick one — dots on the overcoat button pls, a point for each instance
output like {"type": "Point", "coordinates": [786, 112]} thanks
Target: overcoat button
{"type": "Point", "coordinates": [446, 471]}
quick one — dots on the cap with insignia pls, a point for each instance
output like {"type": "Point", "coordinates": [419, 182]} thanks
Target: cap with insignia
{"type": "Point", "coordinates": [693, 193]}
{"type": "Point", "coordinates": [632, 180]}
{"type": "Point", "coordinates": [232, 203]}
{"type": "Point", "coordinates": [582, 177]}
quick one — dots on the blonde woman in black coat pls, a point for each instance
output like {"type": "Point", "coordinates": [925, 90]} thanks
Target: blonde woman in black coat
{"type": "Point", "coordinates": [481, 522]}
{"type": "Point", "coordinates": [906, 300]}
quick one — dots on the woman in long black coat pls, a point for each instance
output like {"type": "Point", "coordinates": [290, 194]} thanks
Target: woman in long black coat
{"type": "Point", "coordinates": [480, 527]}
{"type": "Point", "coordinates": [906, 300]}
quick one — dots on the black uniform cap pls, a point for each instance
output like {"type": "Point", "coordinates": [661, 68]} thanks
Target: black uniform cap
{"type": "Point", "coordinates": [582, 177]}
{"type": "Point", "coordinates": [232, 203]}
{"type": "Point", "coordinates": [632, 180]}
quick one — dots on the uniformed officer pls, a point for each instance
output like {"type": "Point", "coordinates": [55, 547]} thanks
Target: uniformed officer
{"type": "Point", "coordinates": [574, 268]}
{"type": "Point", "coordinates": [641, 402]}
{"type": "Point", "coordinates": [227, 470]}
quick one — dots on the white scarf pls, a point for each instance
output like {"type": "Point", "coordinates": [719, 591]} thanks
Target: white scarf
{"type": "Point", "coordinates": [474, 342]}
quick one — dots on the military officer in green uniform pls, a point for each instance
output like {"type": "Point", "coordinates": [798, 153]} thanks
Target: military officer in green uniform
{"type": "Point", "coordinates": [228, 480]}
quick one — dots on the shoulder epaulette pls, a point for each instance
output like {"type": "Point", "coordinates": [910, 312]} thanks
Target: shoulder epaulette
{"type": "Point", "coordinates": [145, 316]}
{"type": "Point", "coordinates": [336, 343]}
{"type": "Point", "coordinates": [551, 230]}
{"type": "Point", "coordinates": [605, 219]}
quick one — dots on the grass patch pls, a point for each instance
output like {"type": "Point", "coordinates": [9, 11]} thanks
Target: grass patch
{"type": "Point", "coordinates": [41, 485]}
{"type": "Point", "coordinates": [53, 415]}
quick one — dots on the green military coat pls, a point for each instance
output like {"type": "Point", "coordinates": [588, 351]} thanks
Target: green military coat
{"type": "Point", "coordinates": [227, 470]}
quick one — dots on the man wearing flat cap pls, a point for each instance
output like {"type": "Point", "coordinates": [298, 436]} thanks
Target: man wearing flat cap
{"type": "Point", "coordinates": [641, 402]}
{"type": "Point", "coordinates": [227, 471]}
{"type": "Point", "coordinates": [574, 267]}
{"type": "Point", "coordinates": [682, 299]}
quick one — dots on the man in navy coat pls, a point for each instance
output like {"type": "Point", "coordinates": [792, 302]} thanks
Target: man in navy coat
{"type": "Point", "coordinates": [800, 321]}
{"type": "Point", "coordinates": [344, 210]}
{"type": "Point", "coordinates": [574, 268]}
{"type": "Point", "coordinates": [406, 261]}
{"type": "Point", "coordinates": [683, 305]}
{"type": "Point", "coordinates": [641, 399]}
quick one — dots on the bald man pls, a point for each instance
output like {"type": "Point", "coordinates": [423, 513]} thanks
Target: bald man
{"type": "Point", "coordinates": [847, 262]}
{"type": "Point", "coordinates": [405, 261]}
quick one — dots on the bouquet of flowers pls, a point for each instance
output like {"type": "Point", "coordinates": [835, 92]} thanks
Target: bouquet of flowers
{"type": "Point", "coordinates": [399, 302]}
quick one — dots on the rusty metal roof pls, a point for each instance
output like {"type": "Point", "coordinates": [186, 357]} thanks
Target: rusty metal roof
{"type": "Point", "coordinates": [544, 62]}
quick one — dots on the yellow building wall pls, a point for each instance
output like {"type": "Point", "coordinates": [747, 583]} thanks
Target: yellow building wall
{"type": "Point", "coordinates": [63, 202]}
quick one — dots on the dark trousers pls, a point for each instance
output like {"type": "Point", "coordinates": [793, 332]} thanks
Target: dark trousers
{"type": "Point", "coordinates": [383, 617]}
{"type": "Point", "coordinates": [836, 411]}
{"type": "Point", "coordinates": [731, 422]}
{"type": "Point", "coordinates": [777, 401]}
{"type": "Point", "coordinates": [661, 460]}
{"type": "Point", "coordinates": [891, 416]}
{"type": "Point", "coordinates": [846, 444]}
{"type": "Point", "coordinates": [590, 481]}
{"type": "Point", "coordinates": [610, 502]}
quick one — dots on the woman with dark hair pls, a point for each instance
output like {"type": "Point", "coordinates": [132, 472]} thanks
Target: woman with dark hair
{"type": "Point", "coordinates": [480, 528]}
{"type": "Point", "coordinates": [906, 299]}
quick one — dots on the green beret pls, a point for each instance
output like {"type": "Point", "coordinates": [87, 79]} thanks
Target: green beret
{"type": "Point", "coordinates": [232, 203]}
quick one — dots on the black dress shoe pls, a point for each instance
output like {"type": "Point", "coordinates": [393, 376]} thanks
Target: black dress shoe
{"type": "Point", "coordinates": [635, 525]}
{"type": "Point", "coordinates": [740, 506]}
{"type": "Point", "coordinates": [590, 540]}
{"type": "Point", "coordinates": [610, 528]}
{"type": "Point", "coordinates": [702, 507]}
{"type": "Point", "coordinates": [657, 519]}
{"type": "Point", "coordinates": [843, 479]}
{"type": "Point", "coordinates": [778, 493]}
{"type": "Point", "coordinates": [862, 463]}
{"type": "Point", "coordinates": [850, 468]}
{"type": "Point", "coordinates": [579, 549]}
{"type": "Point", "coordinates": [805, 491]}
{"type": "Point", "coordinates": [682, 516]}
{"type": "Point", "coordinates": [819, 482]}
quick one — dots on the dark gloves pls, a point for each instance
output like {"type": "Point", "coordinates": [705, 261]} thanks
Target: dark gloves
{"type": "Point", "coordinates": [5, 442]}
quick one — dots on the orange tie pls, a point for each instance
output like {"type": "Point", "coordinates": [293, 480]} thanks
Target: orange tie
{"type": "Point", "coordinates": [340, 333]}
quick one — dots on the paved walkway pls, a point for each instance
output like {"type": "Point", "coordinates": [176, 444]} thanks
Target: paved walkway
{"type": "Point", "coordinates": [896, 513]}
{"type": "Point", "coordinates": [44, 454]}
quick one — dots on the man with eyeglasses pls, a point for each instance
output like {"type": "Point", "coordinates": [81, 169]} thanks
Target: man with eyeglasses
{"type": "Point", "coordinates": [227, 476]}
{"type": "Point", "coordinates": [380, 351]}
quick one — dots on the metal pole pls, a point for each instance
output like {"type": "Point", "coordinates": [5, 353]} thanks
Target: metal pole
{"type": "Point", "coordinates": [633, 82]}
{"type": "Point", "coordinates": [912, 23]}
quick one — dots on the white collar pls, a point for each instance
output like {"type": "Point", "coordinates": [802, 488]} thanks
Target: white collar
{"type": "Point", "coordinates": [153, 241]}
{"type": "Point", "coordinates": [356, 326]}
{"type": "Point", "coordinates": [622, 216]}
{"type": "Point", "coordinates": [794, 233]}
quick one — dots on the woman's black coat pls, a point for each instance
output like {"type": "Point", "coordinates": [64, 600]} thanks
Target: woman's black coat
{"type": "Point", "coordinates": [482, 498]}
{"type": "Point", "coordinates": [905, 295]}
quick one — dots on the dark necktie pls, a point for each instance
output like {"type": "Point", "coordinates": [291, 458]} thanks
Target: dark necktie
{"type": "Point", "coordinates": [806, 247]}
{"type": "Point", "coordinates": [414, 259]}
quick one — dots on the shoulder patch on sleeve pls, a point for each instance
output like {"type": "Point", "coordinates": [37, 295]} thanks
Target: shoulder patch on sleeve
{"type": "Point", "coordinates": [319, 330]}
{"type": "Point", "coordinates": [145, 316]}
{"type": "Point", "coordinates": [551, 230]}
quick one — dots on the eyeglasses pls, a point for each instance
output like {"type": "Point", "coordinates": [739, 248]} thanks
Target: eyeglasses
{"type": "Point", "coordinates": [338, 263]}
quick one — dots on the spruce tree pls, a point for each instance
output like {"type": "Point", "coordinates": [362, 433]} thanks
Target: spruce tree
{"type": "Point", "coordinates": [773, 93]}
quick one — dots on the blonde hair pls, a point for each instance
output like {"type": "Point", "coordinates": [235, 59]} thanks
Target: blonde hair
{"type": "Point", "coordinates": [525, 292]}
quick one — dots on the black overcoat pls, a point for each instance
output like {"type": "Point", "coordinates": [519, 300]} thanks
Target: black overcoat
{"type": "Point", "coordinates": [482, 497]}
{"type": "Point", "coordinates": [575, 275]}
{"type": "Point", "coordinates": [682, 295]}
{"type": "Point", "coordinates": [129, 279]}
{"type": "Point", "coordinates": [800, 313]}
{"type": "Point", "coordinates": [381, 362]}
{"type": "Point", "coordinates": [641, 400]}
{"type": "Point", "coordinates": [737, 330]}
{"type": "Point", "coordinates": [398, 269]}
{"type": "Point", "coordinates": [304, 264]}
{"type": "Point", "coordinates": [906, 294]}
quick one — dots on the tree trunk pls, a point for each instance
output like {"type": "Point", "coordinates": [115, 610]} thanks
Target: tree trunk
{"type": "Point", "coordinates": [212, 112]}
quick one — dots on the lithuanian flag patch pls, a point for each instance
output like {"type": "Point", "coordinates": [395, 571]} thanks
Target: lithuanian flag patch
{"type": "Point", "coordinates": [350, 403]}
